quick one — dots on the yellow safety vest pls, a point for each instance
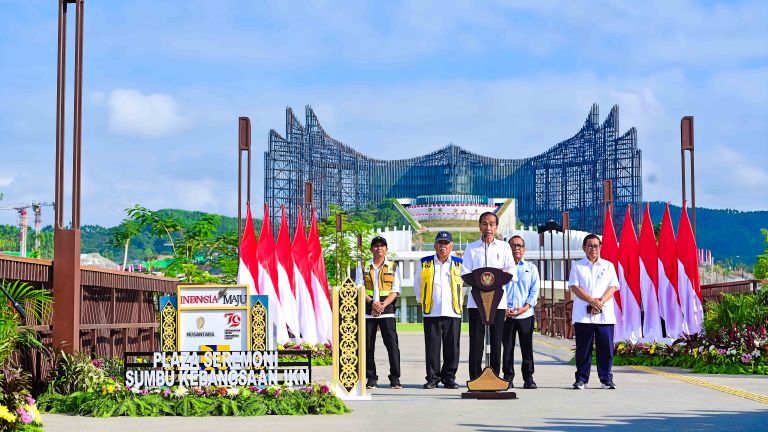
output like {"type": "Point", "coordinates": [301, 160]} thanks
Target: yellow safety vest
{"type": "Point", "coordinates": [386, 279]}
{"type": "Point", "coordinates": [428, 279]}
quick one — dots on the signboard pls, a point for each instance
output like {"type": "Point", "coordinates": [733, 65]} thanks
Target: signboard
{"type": "Point", "coordinates": [215, 335]}
{"type": "Point", "coordinates": [213, 315]}
{"type": "Point", "coordinates": [217, 368]}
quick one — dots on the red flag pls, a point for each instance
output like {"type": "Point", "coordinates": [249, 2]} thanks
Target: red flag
{"type": "Point", "coordinates": [266, 250]}
{"type": "Point", "coordinates": [669, 299]}
{"type": "Point", "coordinates": [319, 284]}
{"type": "Point", "coordinates": [688, 284]}
{"type": "Point", "coordinates": [303, 284]}
{"type": "Point", "coordinates": [610, 249]}
{"type": "Point", "coordinates": [268, 281]}
{"type": "Point", "coordinates": [649, 278]}
{"type": "Point", "coordinates": [629, 279]}
{"type": "Point", "coordinates": [610, 252]}
{"type": "Point", "coordinates": [248, 267]}
{"type": "Point", "coordinates": [285, 277]}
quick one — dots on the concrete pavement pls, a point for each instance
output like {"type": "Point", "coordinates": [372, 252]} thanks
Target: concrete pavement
{"type": "Point", "coordinates": [669, 399]}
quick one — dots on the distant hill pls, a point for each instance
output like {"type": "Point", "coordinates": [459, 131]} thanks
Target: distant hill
{"type": "Point", "coordinates": [95, 238]}
{"type": "Point", "coordinates": [729, 234]}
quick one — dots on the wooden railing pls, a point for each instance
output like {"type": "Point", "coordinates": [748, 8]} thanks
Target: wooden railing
{"type": "Point", "coordinates": [117, 309]}
{"type": "Point", "coordinates": [715, 290]}
{"type": "Point", "coordinates": [555, 319]}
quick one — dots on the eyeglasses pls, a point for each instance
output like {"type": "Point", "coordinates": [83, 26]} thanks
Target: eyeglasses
{"type": "Point", "coordinates": [517, 245]}
{"type": "Point", "coordinates": [592, 246]}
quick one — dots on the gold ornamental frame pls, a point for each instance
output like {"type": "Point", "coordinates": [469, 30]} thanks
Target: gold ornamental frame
{"type": "Point", "coordinates": [349, 341]}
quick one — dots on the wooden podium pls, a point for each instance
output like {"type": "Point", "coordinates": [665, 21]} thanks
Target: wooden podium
{"type": "Point", "coordinates": [487, 289]}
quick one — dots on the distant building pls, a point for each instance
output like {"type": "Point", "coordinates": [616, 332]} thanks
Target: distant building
{"type": "Point", "coordinates": [567, 177]}
{"type": "Point", "coordinates": [97, 260]}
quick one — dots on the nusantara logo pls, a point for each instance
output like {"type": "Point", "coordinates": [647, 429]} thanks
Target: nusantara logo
{"type": "Point", "coordinates": [233, 319]}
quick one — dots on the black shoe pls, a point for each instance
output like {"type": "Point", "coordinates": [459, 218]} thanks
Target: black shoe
{"type": "Point", "coordinates": [371, 383]}
{"type": "Point", "coordinates": [579, 385]}
{"type": "Point", "coordinates": [395, 384]}
{"type": "Point", "coordinates": [450, 385]}
{"type": "Point", "coordinates": [530, 384]}
{"type": "Point", "coordinates": [609, 385]}
{"type": "Point", "coordinates": [430, 385]}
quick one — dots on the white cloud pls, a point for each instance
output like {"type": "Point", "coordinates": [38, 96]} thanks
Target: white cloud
{"type": "Point", "coordinates": [6, 180]}
{"type": "Point", "coordinates": [143, 115]}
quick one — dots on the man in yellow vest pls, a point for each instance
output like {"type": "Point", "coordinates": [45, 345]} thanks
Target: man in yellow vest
{"type": "Point", "coordinates": [438, 289]}
{"type": "Point", "coordinates": [382, 286]}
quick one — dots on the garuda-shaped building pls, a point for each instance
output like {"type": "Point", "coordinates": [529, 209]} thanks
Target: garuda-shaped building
{"type": "Point", "coordinates": [567, 177]}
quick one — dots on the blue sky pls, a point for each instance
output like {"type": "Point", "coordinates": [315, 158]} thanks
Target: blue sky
{"type": "Point", "coordinates": [165, 82]}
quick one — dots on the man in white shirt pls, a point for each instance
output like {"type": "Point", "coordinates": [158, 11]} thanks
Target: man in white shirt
{"type": "Point", "coordinates": [438, 288]}
{"type": "Point", "coordinates": [382, 286]}
{"type": "Point", "coordinates": [486, 252]}
{"type": "Point", "coordinates": [593, 281]}
{"type": "Point", "coordinates": [521, 298]}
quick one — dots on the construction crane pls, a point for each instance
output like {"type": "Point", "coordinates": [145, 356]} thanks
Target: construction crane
{"type": "Point", "coordinates": [36, 207]}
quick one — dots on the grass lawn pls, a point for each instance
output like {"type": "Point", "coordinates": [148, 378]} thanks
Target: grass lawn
{"type": "Point", "coordinates": [418, 327]}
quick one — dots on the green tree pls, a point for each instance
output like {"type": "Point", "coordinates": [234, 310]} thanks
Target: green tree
{"type": "Point", "coordinates": [195, 243]}
{"type": "Point", "coordinates": [122, 235]}
{"type": "Point", "coordinates": [761, 266]}
{"type": "Point", "coordinates": [345, 243]}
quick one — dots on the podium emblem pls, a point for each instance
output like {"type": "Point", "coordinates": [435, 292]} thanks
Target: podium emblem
{"type": "Point", "coordinates": [487, 278]}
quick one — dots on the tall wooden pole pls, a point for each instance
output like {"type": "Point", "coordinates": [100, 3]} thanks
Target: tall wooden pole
{"type": "Point", "coordinates": [66, 263]}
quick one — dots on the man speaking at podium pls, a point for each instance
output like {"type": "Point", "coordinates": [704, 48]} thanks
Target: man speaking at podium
{"type": "Point", "coordinates": [487, 252]}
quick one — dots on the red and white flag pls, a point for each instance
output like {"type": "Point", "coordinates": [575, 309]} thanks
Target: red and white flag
{"type": "Point", "coordinates": [649, 279]}
{"type": "Point", "coordinates": [248, 267]}
{"type": "Point", "coordinates": [320, 285]}
{"type": "Point", "coordinates": [285, 279]}
{"type": "Point", "coordinates": [629, 280]}
{"type": "Point", "coordinates": [302, 275]}
{"type": "Point", "coordinates": [669, 300]}
{"type": "Point", "coordinates": [268, 282]}
{"type": "Point", "coordinates": [610, 252]}
{"type": "Point", "coordinates": [688, 283]}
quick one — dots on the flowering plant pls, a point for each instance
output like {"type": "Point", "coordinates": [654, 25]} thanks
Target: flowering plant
{"type": "Point", "coordinates": [18, 409]}
{"type": "Point", "coordinates": [734, 341]}
{"type": "Point", "coordinates": [25, 416]}
{"type": "Point", "coordinates": [314, 398]}
{"type": "Point", "coordinates": [322, 353]}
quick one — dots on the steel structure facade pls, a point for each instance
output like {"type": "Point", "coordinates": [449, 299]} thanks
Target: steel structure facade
{"type": "Point", "coordinates": [567, 177]}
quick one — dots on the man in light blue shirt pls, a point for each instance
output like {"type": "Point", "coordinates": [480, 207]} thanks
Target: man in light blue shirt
{"type": "Point", "coordinates": [521, 298]}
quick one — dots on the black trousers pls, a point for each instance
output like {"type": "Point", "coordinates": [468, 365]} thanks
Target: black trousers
{"type": "Point", "coordinates": [443, 331]}
{"type": "Point", "coordinates": [523, 330]}
{"type": "Point", "coordinates": [477, 340]}
{"type": "Point", "coordinates": [389, 335]}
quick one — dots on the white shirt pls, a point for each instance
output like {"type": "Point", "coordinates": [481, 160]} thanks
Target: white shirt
{"type": "Point", "coordinates": [498, 254]}
{"type": "Point", "coordinates": [442, 297]}
{"type": "Point", "coordinates": [395, 285]}
{"type": "Point", "coordinates": [594, 279]}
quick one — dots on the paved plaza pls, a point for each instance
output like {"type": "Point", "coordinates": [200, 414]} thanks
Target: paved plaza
{"type": "Point", "coordinates": [663, 399]}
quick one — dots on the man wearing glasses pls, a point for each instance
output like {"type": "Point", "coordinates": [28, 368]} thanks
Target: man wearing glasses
{"type": "Point", "coordinates": [593, 281]}
{"type": "Point", "coordinates": [438, 288]}
{"type": "Point", "coordinates": [521, 298]}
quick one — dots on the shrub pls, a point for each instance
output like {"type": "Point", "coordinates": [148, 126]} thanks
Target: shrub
{"type": "Point", "coordinates": [735, 311]}
{"type": "Point", "coordinates": [76, 373]}
{"type": "Point", "coordinates": [114, 401]}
